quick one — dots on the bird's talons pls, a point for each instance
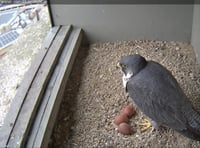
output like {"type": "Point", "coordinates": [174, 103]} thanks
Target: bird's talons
{"type": "Point", "coordinates": [145, 124]}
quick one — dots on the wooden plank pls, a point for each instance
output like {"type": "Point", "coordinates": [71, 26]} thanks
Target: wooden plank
{"type": "Point", "coordinates": [27, 113]}
{"type": "Point", "coordinates": [36, 124]}
{"type": "Point", "coordinates": [55, 94]}
{"type": "Point", "coordinates": [15, 107]}
{"type": "Point", "coordinates": [45, 100]}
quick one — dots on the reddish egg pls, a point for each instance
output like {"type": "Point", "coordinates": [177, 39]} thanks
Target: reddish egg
{"type": "Point", "coordinates": [121, 118]}
{"type": "Point", "coordinates": [125, 129]}
{"type": "Point", "coordinates": [129, 110]}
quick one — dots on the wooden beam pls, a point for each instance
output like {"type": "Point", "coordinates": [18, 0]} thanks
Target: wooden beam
{"type": "Point", "coordinates": [25, 85]}
{"type": "Point", "coordinates": [28, 111]}
{"type": "Point", "coordinates": [44, 122]}
{"type": "Point", "coordinates": [31, 118]}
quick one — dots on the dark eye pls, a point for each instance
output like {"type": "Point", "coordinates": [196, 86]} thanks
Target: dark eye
{"type": "Point", "coordinates": [122, 65]}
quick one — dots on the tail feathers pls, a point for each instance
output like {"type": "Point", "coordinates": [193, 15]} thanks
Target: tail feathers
{"type": "Point", "coordinates": [193, 127]}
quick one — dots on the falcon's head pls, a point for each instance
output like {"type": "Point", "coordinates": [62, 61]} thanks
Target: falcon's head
{"type": "Point", "coordinates": [130, 65]}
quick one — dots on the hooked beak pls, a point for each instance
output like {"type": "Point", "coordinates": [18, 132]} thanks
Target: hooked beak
{"type": "Point", "coordinates": [118, 65]}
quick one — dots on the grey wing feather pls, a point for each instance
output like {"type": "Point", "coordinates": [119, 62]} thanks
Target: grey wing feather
{"type": "Point", "coordinates": [159, 96]}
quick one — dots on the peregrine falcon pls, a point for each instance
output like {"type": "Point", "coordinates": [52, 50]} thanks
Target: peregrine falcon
{"type": "Point", "coordinates": [159, 96]}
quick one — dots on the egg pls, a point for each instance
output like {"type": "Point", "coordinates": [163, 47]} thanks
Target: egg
{"type": "Point", "coordinates": [129, 110]}
{"type": "Point", "coordinates": [125, 129]}
{"type": "Point", "coordinates": [120, 118]}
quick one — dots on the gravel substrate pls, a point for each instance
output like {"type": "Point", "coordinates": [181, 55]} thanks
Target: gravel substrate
{"type": "Point", "coordinates": [94, 96]}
